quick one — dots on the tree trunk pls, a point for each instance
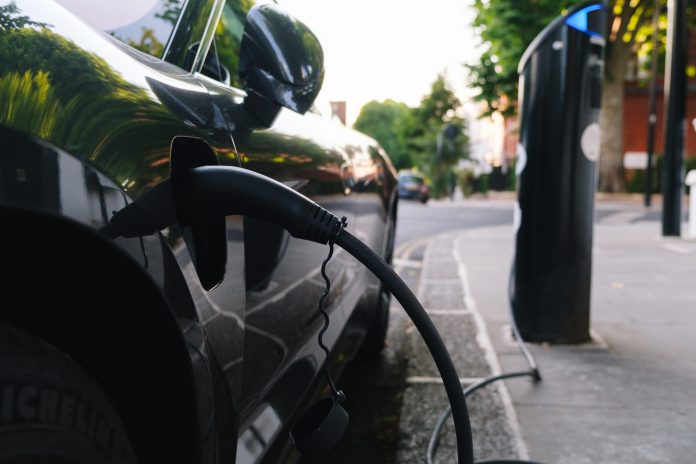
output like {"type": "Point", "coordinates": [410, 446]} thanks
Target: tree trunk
{"type": "Point", "coordinates": [611, 177]}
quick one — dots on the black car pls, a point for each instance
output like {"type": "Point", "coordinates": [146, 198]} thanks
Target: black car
{"type": "Point", "coordinates": [197, 344]}
{"type": "Point", "coordinates": [412, 186]}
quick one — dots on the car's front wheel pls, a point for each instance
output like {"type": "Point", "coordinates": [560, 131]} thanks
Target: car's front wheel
{"type": "Point", "coordinates": [51, 410]}
{"type": "Point", "coordinates": [376, 335]}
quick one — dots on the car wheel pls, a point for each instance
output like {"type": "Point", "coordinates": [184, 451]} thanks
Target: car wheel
{"type": "Point", "coordinates": [373, 343]}
{"type": "Point", "coordinates": [51, 411]}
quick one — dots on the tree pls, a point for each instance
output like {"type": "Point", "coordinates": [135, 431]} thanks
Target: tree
{"type": "Point", "coordinates": [12, 19]}
{"type": "Point", "coordinates": [628, 29]}
{"type": "Point", "coordinates": [74, 99]}
{"type": "Point", "coordinates": [382, 121]}
{"type": "Point", "coordinates": [508, 26]}
{"type": "Point", "coordinates": [420, 130]}
{"type": "Point", "coordinates": [410, 135]}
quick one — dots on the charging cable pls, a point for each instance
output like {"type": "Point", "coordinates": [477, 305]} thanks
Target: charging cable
{"type": "Point", "coordinates": [338, 394]}
{"type": "Point", "coordinates": [532, 372]}
{"type": "Point", "coordinates": [217, 191]}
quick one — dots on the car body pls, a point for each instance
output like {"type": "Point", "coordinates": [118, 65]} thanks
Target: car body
{"type": "Point", "coordinates": [412, 186]}
{"type": "Point", "coordinates": [204, 360]}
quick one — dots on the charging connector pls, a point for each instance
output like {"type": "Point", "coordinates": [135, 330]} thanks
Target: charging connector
{"type": "Point", "coordinates": [214, 191]}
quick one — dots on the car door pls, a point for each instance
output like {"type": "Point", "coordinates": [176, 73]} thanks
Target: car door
{"type": "Point", "coordinates": [282, 359]}
{"type": "Point", "coordinates": [127, 107]}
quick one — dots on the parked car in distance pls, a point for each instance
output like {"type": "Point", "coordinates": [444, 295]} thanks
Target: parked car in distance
{"type": "Point", "coordinates": [412, 186]}
{"type": "Point", "coordinates": [197, 344]}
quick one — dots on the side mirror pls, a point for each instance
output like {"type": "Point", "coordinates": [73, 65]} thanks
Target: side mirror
{"type": "Point", "coordinates": [281, 61]}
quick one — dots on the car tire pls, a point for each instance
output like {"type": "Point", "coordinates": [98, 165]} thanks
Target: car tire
{"type": "Point", "coordinates": [376, 335]}
{"type": "Point", "coordinates": [51, 410]}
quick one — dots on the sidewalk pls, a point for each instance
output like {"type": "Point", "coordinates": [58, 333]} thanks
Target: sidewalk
{"type": "Point", "coordinates": [600, 197]}
{"type": "Point", "coordinates": [628, 397]}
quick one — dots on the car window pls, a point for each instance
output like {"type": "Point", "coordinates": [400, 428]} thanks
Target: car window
{"type": "Point", "coordinates": [410, 178]}
{"type": "Point", "coordinates": [227, 43]}
{"type": "Point", "coordinates": [146, 25]}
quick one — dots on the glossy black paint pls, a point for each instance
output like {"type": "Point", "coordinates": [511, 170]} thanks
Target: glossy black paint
{"type": "Point", "coordinates": [88, 124]}
{"type": "Point", "coordinates": [281, 60]}
{"type": "Point", "coordinates": [560, 99]}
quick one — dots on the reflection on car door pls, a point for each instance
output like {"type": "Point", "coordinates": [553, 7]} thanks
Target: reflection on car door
{"type": "Point", "coordinates": [282, 359]}
{"type": "Point", "coordinates": [282, 318]}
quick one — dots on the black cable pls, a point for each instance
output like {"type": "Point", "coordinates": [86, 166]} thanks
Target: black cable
{"type": "Point", "coordinates": [214, 191]}
{"type": "Point", "coordinates": [432, 339]}
{"type": "Point", "coordinates": [532, 372]}
{"type": "Point", "coordinates": [338, 394]}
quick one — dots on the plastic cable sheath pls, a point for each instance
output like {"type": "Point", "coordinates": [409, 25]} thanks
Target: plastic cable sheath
{"type": "Point", "coordinates": [430, 335]}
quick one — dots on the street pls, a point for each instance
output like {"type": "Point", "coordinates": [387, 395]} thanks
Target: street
{"type": "Point", "coordinates": [416, 220]}
{"type": "Point", "coordinates": [394, 402]}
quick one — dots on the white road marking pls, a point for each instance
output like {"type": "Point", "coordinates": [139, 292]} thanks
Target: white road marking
{"type": "Point", "coordinates": [418, 379]}
{"type": "Point", "coordinates": [448, 312]}
{"type": "Point", "coordinates": [485, 342]}
{"type": "Point", "coordinates": [407, 263]}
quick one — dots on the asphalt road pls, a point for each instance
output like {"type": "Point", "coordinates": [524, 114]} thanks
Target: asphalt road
{"type": "Point", "coordinates": [416, 220]}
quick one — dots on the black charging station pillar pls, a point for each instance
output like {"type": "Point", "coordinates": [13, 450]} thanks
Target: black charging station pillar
{"type": "Point", "coordinates": [559, 138]}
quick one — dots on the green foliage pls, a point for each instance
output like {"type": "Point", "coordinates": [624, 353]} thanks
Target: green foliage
{"type": "Point", "coordinates": [28, 101]}
{"type": "Point", "coordinates": [11, 19]}
{"type": "Point", "coordinates": [511, 177]}
{"type": "Point", "coordinates": [466, 181]}
{"type": "Point", "coordinates": [420, 131]}
{"type": "Point", "coordinates": [440, 105]}
{"type": "Point", "coordinates": [169, 11]}
{"type": "Point", "coordinates": [29, 49]}
{"type": "Point", "coordinates": [382, 121]}
{"type": "Point", "coordinates": [410, 135]}
{"type": "Point", "coordinates": [507, 27]}
{"type": "Point", "coordinates": [228, 37]}
{"type": "Point", "coordinates": [74, 99]}
{"type": "Point", "coordinates": [470, 184]}
{"type": "Point", "coordinates": [148, 43]}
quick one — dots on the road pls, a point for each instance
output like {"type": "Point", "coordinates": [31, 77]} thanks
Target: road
{"type": "Point", "coordinates": [416, 220]}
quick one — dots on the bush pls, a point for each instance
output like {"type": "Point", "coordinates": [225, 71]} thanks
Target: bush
{"type": "Point", "coordinates": [511, 177]}
{"type": "Point", "coordinates": [483, 183]}
{"type": "Point", "coordinates": [466, 181]}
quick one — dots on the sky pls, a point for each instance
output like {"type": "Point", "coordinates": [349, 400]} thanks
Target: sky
{"type": "Point", "coordinates": [389, 49]}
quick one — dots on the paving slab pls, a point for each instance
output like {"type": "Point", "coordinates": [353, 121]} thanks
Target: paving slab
{"type": "Point", "coordinates": [628, 397]}
{"type": "Point", "coordinates": [493, 439]}
{"type": "Point", "coordinates": [442, 293]}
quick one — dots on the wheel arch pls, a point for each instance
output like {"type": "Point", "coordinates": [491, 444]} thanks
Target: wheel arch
{"type": "Point", "coordinates": [83, 294]}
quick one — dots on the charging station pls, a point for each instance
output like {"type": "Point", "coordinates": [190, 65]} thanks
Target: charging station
{"type": "Point", "coordinates": [559, 142]}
